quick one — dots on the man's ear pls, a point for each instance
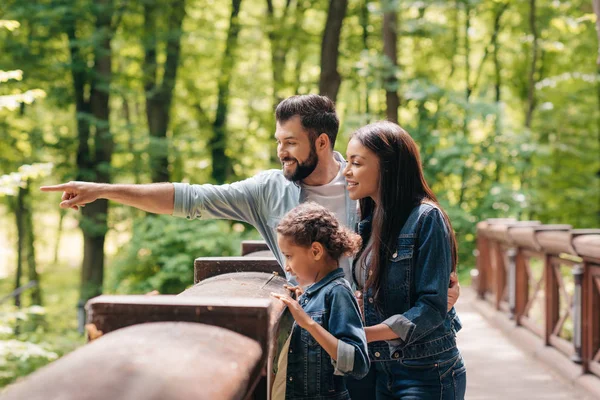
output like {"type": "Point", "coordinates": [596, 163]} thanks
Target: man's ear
{"type": "Point", "coordinates": [322, 142]}
{"type": "Point", "coordinates": [317, 250]}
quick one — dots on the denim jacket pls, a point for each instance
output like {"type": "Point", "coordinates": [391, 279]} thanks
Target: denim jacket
{"type": "Point", "coordinates": [415, 292]}
{"type": "Point", "coordinates": [311, 373]}
{"type": "Point", "coordinates": [260, 201]}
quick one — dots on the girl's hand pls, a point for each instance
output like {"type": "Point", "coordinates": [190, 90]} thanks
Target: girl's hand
{"type": "Point", "coordinates": [295, 290]}
{"type": "Point", "coordinates": [301, 317]}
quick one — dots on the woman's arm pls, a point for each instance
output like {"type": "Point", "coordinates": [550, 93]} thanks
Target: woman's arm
{"type": "Point", "coordinates": [379, 332]}
{"type": "Point", "coordinates": [431, 276]}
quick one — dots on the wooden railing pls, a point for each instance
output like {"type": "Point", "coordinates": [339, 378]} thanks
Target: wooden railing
{"type": "Point", "coordinates": [547, 279]}
{"type": "Point", "coordinates": [216, 340]}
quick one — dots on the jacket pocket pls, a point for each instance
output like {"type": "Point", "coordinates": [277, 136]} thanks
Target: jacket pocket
{"type": "Point", "coordinates": [399, 272]}
{"type": "Point", "coordinates": [305, 335]}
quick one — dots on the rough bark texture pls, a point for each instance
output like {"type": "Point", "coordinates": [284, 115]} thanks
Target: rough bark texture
{"type": "Point", "coordinates": [93, 162]}
{"type": "Point", "coordinates": [390, 49]}
{"type": "Point", "coordinates": [330, 79]}
{"type": "Point", "coordinates": [364, 24]}
{"type": "Point", "coordinates": [218, 143]}
{"type": "Point", "coordinates": [596, 4]}
{"type": "Point", "coordinates": [20, 242]}
{"type": "Point", "coordinates": [32, 275]}
{"type": "Point", "coordinates": [159, 95]}
{"type": "Point", "coordinates": [532, 71]}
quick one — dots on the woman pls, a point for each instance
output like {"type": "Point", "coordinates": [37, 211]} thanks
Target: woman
{"type": "Point", "coordinates": [403, 270]}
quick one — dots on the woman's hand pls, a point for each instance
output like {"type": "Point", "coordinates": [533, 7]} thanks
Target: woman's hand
{"type": "Point", "coordinates": [359, 298]}
{"type": "Point", "coordinates": [301, 317]}
{"type": "Point", "coordinates": [453, 290]}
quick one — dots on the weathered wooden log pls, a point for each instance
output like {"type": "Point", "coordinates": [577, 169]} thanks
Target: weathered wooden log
{"type": "Point", "coordinates": [157, 361]}
{"type": "Point", "coordinates": [588, 247]}
{"type": "Point", "coordinates": [252, 246]}
{"type": "Point", "coordinates": [526, 237]}
{"type": "Point", "coordinates": [557, 242]}
{"type": "Point", "coordinates": [256, 285]}
{"type": "Point", "coordinates": [262, 253]}
{"type": "Point", "coordinates": [247, 316]}
{"type": "Point", "coordinates": [485, 228]}
{"type": "Point", "coordinates": [207, 267]}
{"type": "Point", "coordinates": [499, 231]}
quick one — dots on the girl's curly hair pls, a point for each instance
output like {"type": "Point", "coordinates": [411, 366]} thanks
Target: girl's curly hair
{"type": "Point", "coordinates": [310, 222]}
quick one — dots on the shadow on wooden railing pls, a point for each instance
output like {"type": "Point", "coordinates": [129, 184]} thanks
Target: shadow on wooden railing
{"type": "Point", "coordinates": [547, 279]}
{"type": "Point", "coordinates": [215, 340]}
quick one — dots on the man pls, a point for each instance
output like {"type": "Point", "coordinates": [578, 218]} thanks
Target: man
{"type": "Point", "coordinates": [306, 131]}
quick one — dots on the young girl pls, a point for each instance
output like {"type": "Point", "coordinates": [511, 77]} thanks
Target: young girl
{"type": "Point", "coordinates": [327, 339]}
{"type": "Point", "coordinates": [403, 270]}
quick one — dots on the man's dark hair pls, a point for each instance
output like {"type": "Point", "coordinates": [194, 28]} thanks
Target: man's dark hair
{"type": "Point", "coordinates": [317, 115]}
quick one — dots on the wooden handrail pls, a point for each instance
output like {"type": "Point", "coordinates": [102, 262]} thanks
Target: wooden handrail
{"type": "Point", "coordinates": [238, 302]}
{"type": "Point", "coordinates": [154, 361]}
{"type": "Point", "coordinates": [207, 267]}
{"type": "Point", "coordinates": [504, 251]}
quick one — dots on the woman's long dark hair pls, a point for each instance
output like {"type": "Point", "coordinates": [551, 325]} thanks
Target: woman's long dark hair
{"type": "Point", "coordinates": [402, 187]}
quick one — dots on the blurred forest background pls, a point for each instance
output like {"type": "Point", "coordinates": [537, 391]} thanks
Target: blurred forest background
{"type": "Point", "coordinates": [502, 96]}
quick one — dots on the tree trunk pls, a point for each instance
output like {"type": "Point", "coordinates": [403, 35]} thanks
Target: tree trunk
{"type": "Point", "coordinates": [596, 4]}
{"type": "Point", "coordinates": [531, 100]}
{"type": "Point", "coordinates": [281, 39]}
{"type": "Point", "coordinates": [497, 84]}
{"type": "Point", "coordinates": [455, 34]}
{"type": "Point", "coordinates": [19, 213]}
{"type": "Point", "coordinates": [390, 49]}
{"type": "Point", "coordinates": [94, 223]}
{"type": "Point", "coordinates": [159, 96]}
{"type": "Point", "coordinates": [364, 24]}
{"type": "Point", "coordinates": [468, 90]}
{"type": "Point", "coordinates": [93, 165]}
{"type": "Point", "coordinates": [36, 291]}
{"type": "Point", "coordinates": [218, 143]}
{"type": "Point", "coordinates": [279, 47]}
{"type": "Point", "coordinates": [59, 231]}
{"type": "Point", "coordinates": [330, 79]}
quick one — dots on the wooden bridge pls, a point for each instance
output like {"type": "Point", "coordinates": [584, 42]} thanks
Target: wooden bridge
{"type": "Point", "coordinates": [531, 327]}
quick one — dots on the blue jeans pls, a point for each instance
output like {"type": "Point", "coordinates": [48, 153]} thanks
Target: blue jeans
{"type": "Point", "coordinates": [442, 376]}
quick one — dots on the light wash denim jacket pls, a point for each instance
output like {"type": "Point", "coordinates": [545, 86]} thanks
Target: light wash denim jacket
{"type": "Point", "coordinates": [415, 293]}
{"type": "Point", "coordinates": [260, 201]}
{"type": "Point", "coordinates": [311, 373]}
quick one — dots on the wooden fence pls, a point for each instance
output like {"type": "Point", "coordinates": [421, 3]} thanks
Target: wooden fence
{"type": "Point", "coordinates": [547, 279]}
{"type": "Point", "coordinates": [216, 340]}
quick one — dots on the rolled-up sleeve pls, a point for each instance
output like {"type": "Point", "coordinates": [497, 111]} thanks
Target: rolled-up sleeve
{"type": "Point", "coordinates": [236, 201]}
{"type": "Point", "coordinates": [432, 269]}
{"type": "Point", "coordinates": [345, 324]}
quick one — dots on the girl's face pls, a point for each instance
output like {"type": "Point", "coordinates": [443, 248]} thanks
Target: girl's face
{"type": "Point", "coordinates": [301, 262]}
{"type": "Point", "coordinates": [362, 172]}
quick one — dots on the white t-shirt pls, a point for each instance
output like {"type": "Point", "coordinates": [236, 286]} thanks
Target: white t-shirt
{"type": "Point", "coordinates": [333, 197]}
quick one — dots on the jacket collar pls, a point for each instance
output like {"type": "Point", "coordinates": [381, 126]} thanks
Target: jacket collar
{"type": "Point", "coordinates": [315, 287]}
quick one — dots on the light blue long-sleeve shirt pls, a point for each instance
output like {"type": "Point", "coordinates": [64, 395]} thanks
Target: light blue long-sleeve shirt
{"type": "Point", "coordinates": [260, 201]}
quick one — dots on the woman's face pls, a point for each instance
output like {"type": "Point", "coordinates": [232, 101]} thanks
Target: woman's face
{"type": "Point", "coordinates": [362, 172]}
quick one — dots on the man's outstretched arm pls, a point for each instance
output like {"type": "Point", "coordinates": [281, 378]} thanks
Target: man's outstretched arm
{"type": "Point", "coordinates": [157, 198]}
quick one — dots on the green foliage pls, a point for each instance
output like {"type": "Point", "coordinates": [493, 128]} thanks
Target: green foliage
{"type": "Point", "coordinates": [161, 253]}
{"type": "Point", "coordinates": [21, 354]}
{"type": "Point", "coordinates": [479, 156]}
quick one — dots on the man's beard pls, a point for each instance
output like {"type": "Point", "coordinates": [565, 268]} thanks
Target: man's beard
{"type": "Point", "coordinates": [303, 169]}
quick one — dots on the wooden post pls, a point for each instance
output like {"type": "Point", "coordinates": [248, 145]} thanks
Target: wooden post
{"type": "Point", "coordinates": [552, 309]}
{"type": "Point", "coordinates": [588, 247]}
{"type": "Point", "coordinates": [483, 260]}
{"type": "Point", "coordinates": [521, 285]}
